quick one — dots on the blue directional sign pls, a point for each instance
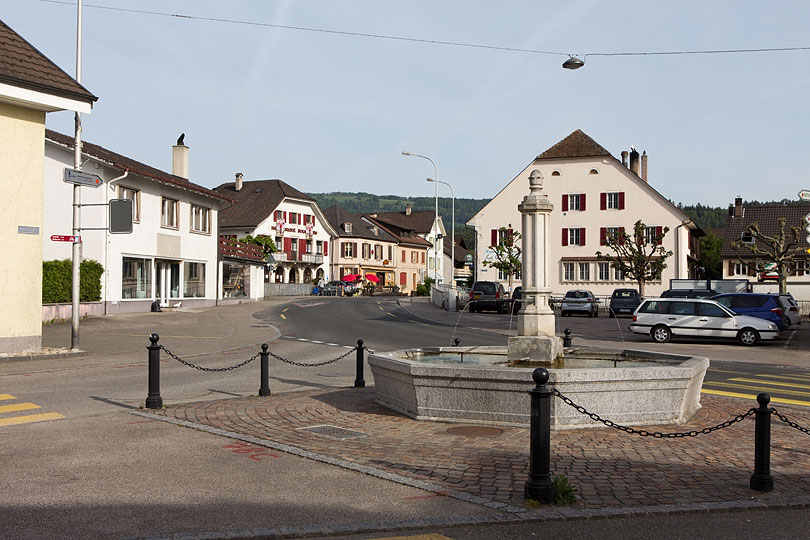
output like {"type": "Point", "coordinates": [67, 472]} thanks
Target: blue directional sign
{"type": "Point", "coordinates": [73, 176]}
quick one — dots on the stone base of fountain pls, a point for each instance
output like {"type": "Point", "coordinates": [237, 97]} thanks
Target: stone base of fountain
{"type": "Point", "coordinates": [540, 349]}
{"type": "Point", "coordinates": [657, 389]}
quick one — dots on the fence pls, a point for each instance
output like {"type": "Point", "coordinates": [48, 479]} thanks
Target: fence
{"type": "Point", "coordinates": [449, 298]}
{"type": "Point", "coordinates": [288, 289]}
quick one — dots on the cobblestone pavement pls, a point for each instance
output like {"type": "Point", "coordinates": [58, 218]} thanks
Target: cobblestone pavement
{"type": "Point", "coordinates": [610, 469]}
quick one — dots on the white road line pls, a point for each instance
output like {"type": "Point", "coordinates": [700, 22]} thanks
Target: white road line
{"type": "Point", "coordinates": [785, 346]}
{"type": "Point", "coordinates": [315, 341]}
{"type": "Point", "coordinates": [333, 344]}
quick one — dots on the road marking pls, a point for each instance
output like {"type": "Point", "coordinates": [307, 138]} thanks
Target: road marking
{"type": "Point", "coordinates": [381, 308]}
{"type": "Point", "coordinates": [785, 346]}
{"type": "Point", "coordinates": [772, 383]}
{"type": "Point", "coordinates": [391, 314]}
{"type": "Point", "coordinates": [6, 396]}
{"type": "Point", "coordinates": [18, 407]}
{"type": "Point", "coordinates": [332, 344]}
{"type": "Point", "coordinates": [759, 387]}
{"type": "Point", "coordinates": [713, 370]}
{"type": "Point", "coordinates": [802, 378]}
{"type": "Point", "coordinates": [285, 309]}
{"type": "Point", "coordinates": [433, 536]}
{"type": "Point", "coordinates": [282, 316]}
{"type": "Point", "coordinates": [752, 396]}
{"type": "Point", "coordinates": [314, 341]}
{"type": "Point", "coordinates": [29, 418]}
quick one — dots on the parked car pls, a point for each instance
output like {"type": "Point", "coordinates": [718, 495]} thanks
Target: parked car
{"type": "Point", "coordinates": [488, 295]}
{"type": "Point", "coordinates": [688, 293]}
{"type": "Point", "coordinates": [663, 318]}
{"type": "Point", "coordinates": [623, 301]}
{"type": "Point", "coordinates": [579, 301]}
{"type": "Point", "coordinates": [764, 306]}
{"type": "Point", "coordinates": [338, 288]}
{"type": "Point", "coordinates": [517, 296]}
{"type": "Point", "coordinates": [791, 309]}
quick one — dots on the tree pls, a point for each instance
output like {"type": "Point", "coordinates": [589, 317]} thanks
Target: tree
{"type": "Point", "coordinates": [640, 257]}
{"type": "Point", "coordinates": [781, 249]}
{"type": "Point", "coordinates": [263, 241]}
{"type": "Point", "coordinates": [709, 256]}
{"type": "Point", "coordinates": [506, 254]}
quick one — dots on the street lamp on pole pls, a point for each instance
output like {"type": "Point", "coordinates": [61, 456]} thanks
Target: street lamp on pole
{"type": "Point", "coordinates": [436, 216]}
{"type": "Point", "coordinates": [452, 231]}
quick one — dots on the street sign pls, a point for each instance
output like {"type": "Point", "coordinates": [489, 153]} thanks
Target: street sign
{"type": "Point", "coordinates": [64, 238]}
{"type": "Point", "coordinates": [120, 216]}
{"type": "Point", "coordinates": [72, 176]}
{"type": "Point", "coordinates": [807, 218]}
{"type": "Point", "coordinates": [804, 194]}
{"type": "Point", "coordinates": [468, 257]}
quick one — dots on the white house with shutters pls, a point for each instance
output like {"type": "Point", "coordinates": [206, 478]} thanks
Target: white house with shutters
{"type": "Point", "coordinates": [593, 194]}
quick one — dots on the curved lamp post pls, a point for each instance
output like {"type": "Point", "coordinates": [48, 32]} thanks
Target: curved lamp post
{"type": "Point", "coordinates": [452, 232]}
{"type": "Point", "coordinates": [436, 216]}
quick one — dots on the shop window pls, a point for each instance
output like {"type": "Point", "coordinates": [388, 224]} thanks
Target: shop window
{"type": "Point", "coordinates": [136, 278]}
{"type": "Point", "coordinates": [194, 280]}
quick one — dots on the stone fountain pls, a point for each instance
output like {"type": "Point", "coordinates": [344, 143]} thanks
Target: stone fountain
{"type": "Point", "coordinates": [490, 384]}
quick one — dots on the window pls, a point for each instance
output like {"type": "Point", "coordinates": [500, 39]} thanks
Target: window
{"type": "Point", "coordinates": [574, 237]}
{"type": "Point", "coordinates": [366, 250]}
{"type": "Point", "coordinates": [347, 227]}
{"type": "Point", "coordinates": [199, 219]}
{"type": "Point", "coordinates": [378, 251]}
{"type": "Point", "coordinates": [575, 202]}
{"type": "Point", "coordinates": [319, 247]}
{"type": "Point", "coordinates": [309, 247]}
{"type": "Point", "coordinates": [136, 278]}
{"type": "Point", "coordinates": [746, 237]}
{"type": "Point", "coordinates": [348, 249]}
{"type": "Point", "coordinates": [608, 233]}
{"type": "Point", "coordinates": [391, 254]}
{"type": "Point", "coordinates": [235, 278]}
{"type": "Point", "coordinates": [568, 271]}
{"type": "Point", "coordinates": [168, 213]}
{"type": "Point", "coordinates": [650, 235]}
{"type": "Point", "coordinates": [555, 173]}
{"type": "Point", "coordinates": [593, 171]}
{"type": "Point", "coordinates": [135, 196]}
{"type": "Point", "coordinates": [801, 268]}
{"type": "Point", "coordinates": [194, 280]}
{"type": "Point", "coordinates": [604, 271]}
{"type": "Point", "coordinates": [740, 269]}
{"type": "Point", "coordinates": [293, 218]}
{"type": "Point", "coordinates": [414, 257]}
{"type": "Point", "coordinates": [612, 201]}
{"type": "Point", "coordinates": [584, 271]}
{"type": "Point", "coordinates": [617, 274]}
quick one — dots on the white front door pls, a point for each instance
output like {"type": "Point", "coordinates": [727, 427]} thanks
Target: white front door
{"type": "Point", "coordinates": [167, 281]}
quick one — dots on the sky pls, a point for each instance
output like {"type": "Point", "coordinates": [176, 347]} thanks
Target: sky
{"type": "Point", "coordinates": [332, 111]}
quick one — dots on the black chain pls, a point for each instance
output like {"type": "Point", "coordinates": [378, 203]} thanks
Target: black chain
{"type": "Point", "coordinates": [655, 434]}
{"type": "Point", "coordinates": [341, 357]}
{"type": "Point", "coordinates": [789, 422]}
{"type": "Point", "coordinates": [189, 364]}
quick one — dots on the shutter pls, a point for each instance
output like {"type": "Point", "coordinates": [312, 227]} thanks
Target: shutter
{"type": "Point", "coordinates": [565, 237]}
{"type": "Point", "coordinates": [354, 249]}
{"type": "Point", "coordinates": [287, 245]}
{"type": "Point", "coordinates": [603, 236]}
{"type": "Point", "coordinates": [509, 234]}
{"type": "Point", "coordinates": [730, 268]}
{"type": "Point", "coordinates": [326, 248]}
{"type": "Point", "coordinates": [621, 236]}
{"type": "Point", "coordinates": [582, 202]}
{"type": "Point", "coordinates": [621, 200]}
{"type": "Point", "coordinates": [302, 246]}
{"type": "Point", "coordinates": [603, 201]}
{"type": "Point", "coordinates": [403, 278]}
{"type": "Point", "coordinates": [285, 215]}
{"type": "Point", "coordinates": [403, 254]}
{"type": "Point", "coordinates": [582, 236]}
{"type": "Point", "coordinates": [658, 231]}
{"type": "Point", "coordinates": [423, 257]}
{"type": "Point", "coordinates": [493, 237]}
{"type": "Point", "coordinates": [565, 203]}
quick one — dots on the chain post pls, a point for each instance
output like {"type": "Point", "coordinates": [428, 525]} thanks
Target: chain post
{"type": "Point", "coordinates": [153, 399]}
{"type": "Point", "coordinates": [762, 480]}
{"type": "Point", "coordinates": [539, 486]}
{"type": "Point", "coordinates": [359, 382]}
{"type": "Point", "coordinates": [567, 338]}
{"type": "Point", "coordinates": [264, 390]}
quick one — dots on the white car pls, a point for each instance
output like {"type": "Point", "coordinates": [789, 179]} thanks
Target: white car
{"type": "Point", "coordinates": [663, 318]}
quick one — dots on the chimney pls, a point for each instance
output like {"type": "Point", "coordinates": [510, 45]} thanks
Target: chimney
{"type": "Point", "coordinates": [238, 184]}
{"type": "Point", "coordinates": [738, 208]}
{"type": "Point", "coordinates": [634, 161]}
{"type": "Point", "coordinates": [624, 158]}
{"type": "Point", "coordinates": [408, 209]}
{"type": "Point", "coordinates": [180, 158]}
{"type": "Point", "coordinates": [644, 166]}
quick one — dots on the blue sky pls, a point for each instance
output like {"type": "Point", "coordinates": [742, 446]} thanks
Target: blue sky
{"type": "Point", "coordinates": [328, 112]}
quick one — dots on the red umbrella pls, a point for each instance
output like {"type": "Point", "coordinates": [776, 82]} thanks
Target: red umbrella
{"type": "Point", "coordinates": [350, 277]}
{"type": "Point", "coordinates": [372, 277]}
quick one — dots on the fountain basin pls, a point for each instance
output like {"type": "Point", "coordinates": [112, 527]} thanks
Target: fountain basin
{"type": "Point", "coordinates": [644, 388]}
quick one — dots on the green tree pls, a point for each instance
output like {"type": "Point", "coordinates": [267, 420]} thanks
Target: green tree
{"type": "Point", "coordinates": [782, 249]}
{"type": "Point", "coordinates": [264, 241]}
{"type": "Point", "coordinates": [709, 256]}
{"type": "Point", "coordinates": [639, 257]}
{"type": "Point", "coordinates": [506, 254]}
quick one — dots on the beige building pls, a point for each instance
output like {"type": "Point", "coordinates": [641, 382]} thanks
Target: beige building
{"type": "Point", "coordinates": [30, 86]}
{"type": "Point", "coordinates": [413, 250]}
{"type": "Point", "coordinates": [593, 194]}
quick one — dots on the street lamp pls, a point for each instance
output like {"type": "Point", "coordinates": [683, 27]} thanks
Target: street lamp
{"type": "Point", "coordinates": [452, 232]}
{"type": "Point", "coordinates": [436, 216]}
{"type": "Point", "coordinates": [573, 63]}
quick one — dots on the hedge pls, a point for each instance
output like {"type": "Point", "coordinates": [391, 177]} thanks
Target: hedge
{"type": "Point", "coordinates": [57, 281]}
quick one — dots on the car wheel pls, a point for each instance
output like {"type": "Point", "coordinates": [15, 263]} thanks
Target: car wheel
{"type": "Point", "coordinates": [563, 314]}
{"type": "Point", "coordinates": [661, 334]}
{"type": "Point", "coordinates": [748, 336]}
{"type": "Point", "coordinates": [596, 312]}
{"type": "Point", "coordinates": [785, 321]}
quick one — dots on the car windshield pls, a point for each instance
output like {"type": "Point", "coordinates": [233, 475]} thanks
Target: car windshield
{"type": "Point", "coordinates": [485, 288]}
{"type": "Point", "coordinates": [576, 294]}
{"type": "Point", "coordinates": [625, 294]}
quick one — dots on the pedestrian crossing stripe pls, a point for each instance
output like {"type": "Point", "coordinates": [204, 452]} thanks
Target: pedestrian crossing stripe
{"type": "Point", "coordinates": [6, 396]}
{"type": "Point", "coordinates": [17, 407]}
{"type": "Point", "coordinates": [14, 420]}
{"type": "Point", "coordinates": [771, 383]}
{"type": "Point", "coordinates": [754, 397]}
{"type": "Point", "coordinates": [760, 387]}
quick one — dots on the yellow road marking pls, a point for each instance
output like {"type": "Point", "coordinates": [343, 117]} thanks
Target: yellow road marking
{"type": "Point", "coordinates": [752, 396]}
{"type": "Point", "coordinates": [772, 383]}
{"type": "Point", "coordinates": [391, 314]}
{"type": "Point", "coordinates": [713, 370]}
{"type": "Point", "coordinates": [381, 308]}
{"type": "Point", "coordinates": [18, 407]}
{"type": "Point", "coordinates": [6, 396]}
{"type": "Point", "coordinates": [760, 388]}
{"type": "Point", "coordinates": [285, 309]}
{"type": "Point", "coordinates": [29, 418]}
{"type": "Point", "coordinates": [283, 316]}
{"type": "Point", "coordinates": [788, 377]}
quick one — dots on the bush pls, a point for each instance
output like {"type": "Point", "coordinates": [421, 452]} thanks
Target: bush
{"type": "Point", "coordinates": [57, 281]}
{"type": "Point", "coordinates": [422, 290]}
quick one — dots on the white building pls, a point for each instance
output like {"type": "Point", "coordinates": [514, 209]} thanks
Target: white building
{"type": "Point", "coordinates": [171, 254]}
{"type": "Point", "coordinates": [593, 195]}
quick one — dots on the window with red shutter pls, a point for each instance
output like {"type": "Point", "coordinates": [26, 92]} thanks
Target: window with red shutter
{"type": "Point", "coordinates": [582, 236]}
{"type": "Point", "coordinates": [621, 236]}
{"type": "Point", "coordinates": [658, 231]}
{"type": "Point", "coordinates": [326, 247]}
{"type": "Point", "coordinates": [493, 237]}
{"type": "Point", "coordinates": [602, 236]}
{"type": "Point", "coordinates": [423, 257]}
{"type": "Point", "coordinates": [565, 203]}
{"type": "Point", "coordinates": [603, 201]}
{"type": "Point", "coordinates": [565, 237]}
{"type": "Point", "coordinates": [621, 200]}
{"type": "Point", "coordinates": [582, 202]}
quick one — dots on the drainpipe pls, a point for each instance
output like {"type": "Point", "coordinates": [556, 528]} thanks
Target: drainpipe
{"type": "Point", "coordinates": [107, 239]}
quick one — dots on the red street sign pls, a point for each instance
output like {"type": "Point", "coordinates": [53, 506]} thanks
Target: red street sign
{"type": "Point", "coordinates": [63, 238]}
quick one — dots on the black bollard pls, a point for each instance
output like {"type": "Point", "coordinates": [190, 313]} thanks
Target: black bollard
{"type": "Point", "coordinates": [359, 382]}
{"type": "Point", "coordinates": [567, 338]}
{"type": "Point", "coordinates": [456, 342]}
{"type": "Point", "coordinates": [539, 486]}
{"type": "Point", "coordinates": [762, 480]}
{"type": "Point", "coordinates": [264, 390]}
{"type": "Point", "coordinates": [153, 399]}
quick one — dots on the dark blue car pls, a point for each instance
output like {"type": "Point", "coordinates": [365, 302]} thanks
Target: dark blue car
{"type": "Point", "coordinates": [764, 306]}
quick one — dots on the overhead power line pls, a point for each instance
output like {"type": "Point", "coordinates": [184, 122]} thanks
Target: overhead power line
{"type": "Point", "coordinates": [427, 41]}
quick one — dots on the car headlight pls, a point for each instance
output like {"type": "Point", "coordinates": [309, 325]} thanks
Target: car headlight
{"type": "Point", "coordinates": [772, 326]}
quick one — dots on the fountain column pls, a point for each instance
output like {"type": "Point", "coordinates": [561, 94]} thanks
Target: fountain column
{"type": "Point", "coordinates": [535, 340]}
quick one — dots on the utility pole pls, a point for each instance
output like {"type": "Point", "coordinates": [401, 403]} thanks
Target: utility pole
{"type": "Point", "coordinates": [77, 197]}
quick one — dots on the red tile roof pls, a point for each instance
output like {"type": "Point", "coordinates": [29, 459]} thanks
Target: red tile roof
{"type": "Point", "coordinates": [576, 145]}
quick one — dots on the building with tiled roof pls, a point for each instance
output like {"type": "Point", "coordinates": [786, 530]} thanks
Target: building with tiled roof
{"type": "Point", "coordinates": [594, 194]}
{"type": "Point", "coordinates": [291, 218]}
{"type": "Point", "coordinates": [413, 250]}
{"type": "Point", "coordinates": [30, 86]}
{"type": "Point", "coordinates": [742, 264]}
{"type": "Point", "coordinates": [171, 255]}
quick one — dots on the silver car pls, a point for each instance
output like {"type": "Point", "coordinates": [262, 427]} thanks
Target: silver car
{"type": "Point", "coordinates": [579, 301]}
{"type": "Point", "coordinates": [663, 318]}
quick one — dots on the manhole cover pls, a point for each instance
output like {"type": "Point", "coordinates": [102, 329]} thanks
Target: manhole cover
{"type": "Point", "coordinates": [334, 432]}
{"type": "Point", "coordinates": [475, 431]}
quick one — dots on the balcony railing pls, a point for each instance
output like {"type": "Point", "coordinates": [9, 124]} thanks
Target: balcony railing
{"type": "Point", "coordinates": [229, 247]}
{"type": "Point", "coordinates": [294, 256]}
